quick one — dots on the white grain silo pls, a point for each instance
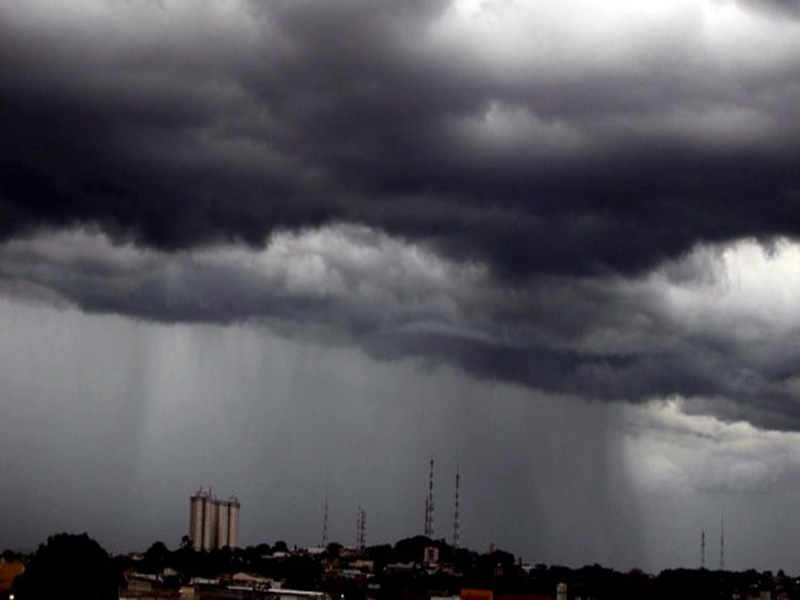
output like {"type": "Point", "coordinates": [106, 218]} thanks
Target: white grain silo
{"type": "Point", "coordinates": [233, 530]}
{"type": "Point", "coordinates": [223, 518]}
{"type": "Point", "coordinates": [199, 517]}
{"type": "Point", "coordinates": [213, 523]}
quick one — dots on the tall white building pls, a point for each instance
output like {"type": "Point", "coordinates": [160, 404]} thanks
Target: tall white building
{"type": "Point", "coordinates": [213, 523]}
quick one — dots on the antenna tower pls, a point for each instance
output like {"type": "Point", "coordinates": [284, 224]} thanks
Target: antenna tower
{"type": "Point", "coordinates": [703, 549]}
{"type": "Point", "coordinates": [325, 521]}
{"type": "Point", "coordinates": [361, 536]}
{"type": "Point", "coordinates": [722, 543]}
{"type": "Point", "coordinates": [456, 524]}
{"type": "Point", "coordinates": [429, 505]}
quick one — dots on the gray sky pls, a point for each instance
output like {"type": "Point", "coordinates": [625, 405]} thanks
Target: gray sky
{"type": "Point", "coordinates": [262, 246]}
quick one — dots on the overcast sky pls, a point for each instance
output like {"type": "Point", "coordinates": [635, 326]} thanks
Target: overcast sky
{"type": "Point", "coordinates": [277, 246]}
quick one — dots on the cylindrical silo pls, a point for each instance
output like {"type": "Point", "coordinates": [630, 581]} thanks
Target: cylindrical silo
{"type": "Point", "coordinates": [196, 519]}
{"type": "Point", "coordinates": [223, 523]}
{"type": "Point", "coordinates": [233, 530]}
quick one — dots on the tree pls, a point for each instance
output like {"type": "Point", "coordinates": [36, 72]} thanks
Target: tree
{"type": "Point", "coordinates": [156, 558]}
{"type": "Point", "coordinates": [69, 564]}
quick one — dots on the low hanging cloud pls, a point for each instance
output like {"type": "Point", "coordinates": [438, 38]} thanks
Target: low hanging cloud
{"type": "Point", "coordinates": [354, 277]}
{"type": "Point", "coordinates": [670, 450]}
{"type": "Point", "coordinates": [709, 327]}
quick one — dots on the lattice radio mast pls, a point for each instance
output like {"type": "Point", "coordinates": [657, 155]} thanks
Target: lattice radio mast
{"type": "Point", "coordinates": [361, 536]}
{"type": "Point", "coordinates": [429, 505]}
{"type": "Point", "coordinates": [456, 524]}
{"type": "Point", "coordinates": [703, 549]}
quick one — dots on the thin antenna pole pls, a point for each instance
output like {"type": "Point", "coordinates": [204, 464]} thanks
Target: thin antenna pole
{"type": "Point", "coordinates": [325, 520]}
{"type": "Point", "coordinates": [703, 549]}
{"type": "Point", "coordinates": [722, 542]}
{"type": "Point", "coordinates": [456, 524]}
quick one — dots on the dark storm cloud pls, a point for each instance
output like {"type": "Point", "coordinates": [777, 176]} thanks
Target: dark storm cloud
{"type": "Point", "coordinates": [680, 331]}
{"type": "Point", "coordinates": [520, 174]}
{"type": "Point", "coordinates": [179, 127]}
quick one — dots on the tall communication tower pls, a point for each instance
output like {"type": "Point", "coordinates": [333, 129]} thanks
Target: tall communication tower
{"type": "Point", "coordinates": [429, 505]}
{"type": "Point", "coordinates": [722, 542]}
{"type": "Point", "coordinates": [456, 525]}
{"type": "Point", "coordinates": [361, 535]}
{"type": "Point", "coordinates": [325, 521]}
{"type": "Point", "coordinates": [703, 549]}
